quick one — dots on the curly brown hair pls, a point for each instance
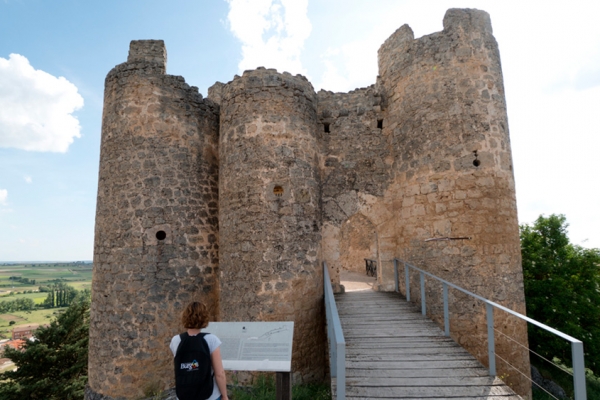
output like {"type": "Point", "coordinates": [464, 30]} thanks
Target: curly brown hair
{"type": "Point", "coordinates": [195, 316]}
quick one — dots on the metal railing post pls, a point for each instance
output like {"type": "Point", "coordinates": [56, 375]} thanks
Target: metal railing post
{"type": "Point", "coordinates": [446, 312]}
{"type": "Point", "coordinates": [396, 283]}
{"type": "Point", "coordinates": [407, 281]}
{"type": "Point", "coordinates": [423, 309]}
{"type": "Point", "coordinates": [578, 370]}
{"type": "Point", "coordinates": [341, 375]}
{"type": "Point", "coordinates": [491, 345]}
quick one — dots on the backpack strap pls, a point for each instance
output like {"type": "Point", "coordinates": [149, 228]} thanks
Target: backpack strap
{"type": "Point", "coordinates": [182, 337]}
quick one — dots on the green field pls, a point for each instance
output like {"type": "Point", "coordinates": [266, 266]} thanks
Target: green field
{"type": "Point", "coordinates": [43, 316]}
{"type": "Point", "coordinates": [43, 274]}
{"type": "Point", "coordinates": [37, 297]}
{"type": "Point", "coordinates": [77, 275]}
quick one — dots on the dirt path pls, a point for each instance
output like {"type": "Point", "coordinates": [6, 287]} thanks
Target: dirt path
{"type": "Point", "coordinates": [354, 281]}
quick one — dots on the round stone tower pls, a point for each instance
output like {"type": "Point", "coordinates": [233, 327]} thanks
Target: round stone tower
{"type": "Point", "coordinates": [269, 210]}
{"type": "Point", "coordinates": [156, 222]}
{"type": "Point", "coordinates": [446, 113]}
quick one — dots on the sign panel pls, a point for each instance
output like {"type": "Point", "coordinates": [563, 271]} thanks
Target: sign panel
{"type": "Point", "coordinates": [255, 346]}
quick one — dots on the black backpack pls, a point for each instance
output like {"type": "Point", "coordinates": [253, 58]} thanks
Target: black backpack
{"type": "Point", "coordinates": [193, 377]}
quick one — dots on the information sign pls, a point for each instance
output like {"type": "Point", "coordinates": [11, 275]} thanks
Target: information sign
{"type": "Point", "coordinates": [255, 346]}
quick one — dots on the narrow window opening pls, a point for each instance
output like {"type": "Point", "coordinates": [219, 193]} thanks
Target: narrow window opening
{"type": "Point", "coordinates": [476, 161]}
{"type": "Point", "coordinates": [326, 127]}
{"type": "Point", "coordinates": [379, 124]}
{"type": "Point", "coordinates": [278, 191]}
{"type": "Point", "coordinates": [161, 235]}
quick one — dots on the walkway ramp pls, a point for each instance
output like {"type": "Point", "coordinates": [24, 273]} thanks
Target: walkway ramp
{"type": "Point", "coordinates": [393, 352]}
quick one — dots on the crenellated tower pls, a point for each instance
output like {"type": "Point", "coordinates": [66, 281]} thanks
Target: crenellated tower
{"type": "Point", "coordinates": [269, 209]}
{"type": "Point", "coordinates": [446, 120]}
{"type": "Point", "coordinates": [156, 221]}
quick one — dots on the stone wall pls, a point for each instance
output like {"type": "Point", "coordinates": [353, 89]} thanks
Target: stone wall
{"type": "Point", "coordinates": [446, 117]}
{"type": "Point", "coordinates": [269, 210]}
{"type": "Point", "coordinates": [156, 232]}
{"type": "Point", "coordinates": [356, 169]}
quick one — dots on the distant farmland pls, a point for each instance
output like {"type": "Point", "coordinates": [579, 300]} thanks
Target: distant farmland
{"type": "Point", "coordinates": [44, 274]}
{"type": "Point", "coordinates": [25, 282]}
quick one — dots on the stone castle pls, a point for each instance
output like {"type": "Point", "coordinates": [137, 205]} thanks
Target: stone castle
{"type": "Point", "coordinates": [238, 198]}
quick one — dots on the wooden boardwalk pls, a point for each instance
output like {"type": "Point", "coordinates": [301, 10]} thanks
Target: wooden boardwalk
{"type": "Point", "coordinates": [393, 352]}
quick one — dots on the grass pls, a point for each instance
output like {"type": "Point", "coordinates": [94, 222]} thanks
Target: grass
{"type": "Point", "coordinates": [8, 367]}
{"type": "Point", "coordinates": [264, 389]}
{"type": "Point", "coordinates": [565, 381]}
{"type": "Point", "coordinates": [43, 273]}
{"type": "Point", "coordinates": [37, 297]}
{"type": "Point", "coordinates": [43, 316]}
{"type": "Point", "coordinates": [77, 275]}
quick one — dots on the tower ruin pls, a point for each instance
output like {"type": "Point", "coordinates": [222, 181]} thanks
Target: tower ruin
{"type": "Point", "coordinates": [236, 199]}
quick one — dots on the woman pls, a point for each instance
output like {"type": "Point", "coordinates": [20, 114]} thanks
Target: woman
{"type": "Point", "coordinates": [195, 318]}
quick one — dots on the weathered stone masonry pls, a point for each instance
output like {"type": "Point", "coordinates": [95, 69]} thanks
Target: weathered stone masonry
{"type": "Point", "coordinates": [158, 179]}
{"type": "Point", "coordinates": [297, 177]}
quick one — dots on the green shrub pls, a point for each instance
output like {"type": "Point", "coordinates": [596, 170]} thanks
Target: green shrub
{"type": "Point", "coordinates": [265, 389]}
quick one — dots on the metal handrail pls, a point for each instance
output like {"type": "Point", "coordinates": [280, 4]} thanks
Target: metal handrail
{"type": "Point", "coordinates": [576, 345]}
{"type": "Point", "coordinates": [337, 343]}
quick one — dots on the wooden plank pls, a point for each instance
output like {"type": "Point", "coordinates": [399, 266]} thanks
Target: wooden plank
{"type": "Point", "coordinates": [413, 364]}
{"type": "Point", "coordinates": [416, 373]}
{"type": "Point", "coordinates": [424, 381]}
{"type": "Point", "coordinates": [365, 321]}
{"type": "Point", "coordinates": [406, 352]}
{"type": "Point", "coordinates": [391, 328]}
{"type": "Point", "coordinates": [427, 392]}
{"type": "Point", "coordinates": [367, 335]}
{"type": "Point", "coordinates": [393, 352]}
{"type": "Point", "coordinates": [498, 397]}
{"type": "Point", "coordinates": [430, 358]}
{"type": "Point", "coordinates": [438, 339]}
{"type": "Point", "coordinates": [385, 307]}
{"type": "Point", "coordinates": [430, 342]}
{"type": "Point", "coordinates": [400, 321]}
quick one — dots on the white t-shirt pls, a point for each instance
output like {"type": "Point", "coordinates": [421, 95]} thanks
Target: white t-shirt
{"type": "Point", "coordinates": [213, 344]}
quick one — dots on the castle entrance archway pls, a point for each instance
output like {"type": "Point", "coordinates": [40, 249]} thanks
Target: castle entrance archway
{"type": "Point", "coordinates": [358, 240]}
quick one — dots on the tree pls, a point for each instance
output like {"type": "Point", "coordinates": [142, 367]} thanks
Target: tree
{"type": "Point", "coordinates": [59, 295]}
{"type": "Point", "coordinates": [562, 289]}
{"type": "Point", "coordinates": [54, 366]}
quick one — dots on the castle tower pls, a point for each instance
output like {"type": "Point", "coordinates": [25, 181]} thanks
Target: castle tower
{"type": "Point", "coordinates": [269, 212]}
{"type": "Point", "coordinates": [445, 113]}
{"type": "Point", "coordinates": [156, 222]}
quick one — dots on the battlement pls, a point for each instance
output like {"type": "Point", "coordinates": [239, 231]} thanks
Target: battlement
{"type": "Point", "coordinates": [150, 51]}
{"type": "Point", "coordinates": [468, 19]}
{"type": "Point", "coordinates": [357, 102]}
{"type": "Point", "coordinates": [266, 79]}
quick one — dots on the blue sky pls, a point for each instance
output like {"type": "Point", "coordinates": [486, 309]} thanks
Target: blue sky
{"type": "Point", "coordinates": [54, 56]}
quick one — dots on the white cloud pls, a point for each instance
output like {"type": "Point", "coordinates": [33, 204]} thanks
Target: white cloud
{"type": "Point", "coordinates": [272, 32]}
{"type": "Point", "coordinates": [3, 196]}
{"type": "Point", "coordinates": [350, 62]}
{"type": "Point", "coordinates": [36, 108]}
{"type": "Point", "coordinates": [27, 178]}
